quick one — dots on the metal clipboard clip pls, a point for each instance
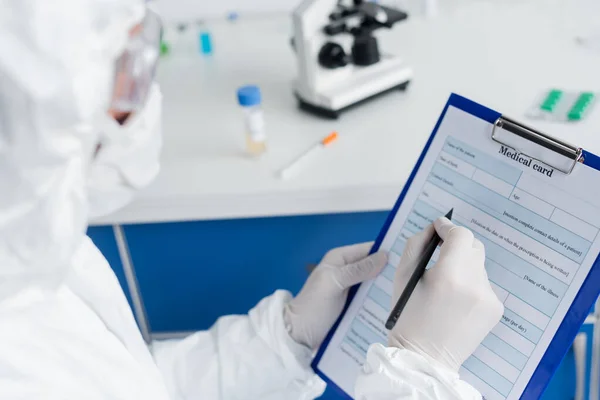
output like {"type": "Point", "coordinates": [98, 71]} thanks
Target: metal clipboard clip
{"type": "Point", "coordinates": [556, 145]}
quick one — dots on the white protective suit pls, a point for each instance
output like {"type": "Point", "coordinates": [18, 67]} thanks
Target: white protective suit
{"type": "Point", "coordinates": [66, 329]}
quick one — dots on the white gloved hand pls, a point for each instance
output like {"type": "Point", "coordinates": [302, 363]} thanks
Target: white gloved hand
{"type": "Point", "coordinates": [312, 313]}
{"type": "Point", "coordinates": [453, 307]}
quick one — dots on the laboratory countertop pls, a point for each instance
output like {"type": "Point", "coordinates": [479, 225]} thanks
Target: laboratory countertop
{"type": "Point", "coordinates": [503, 54]}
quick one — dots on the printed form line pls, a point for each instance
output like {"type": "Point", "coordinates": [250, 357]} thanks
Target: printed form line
{"type": "Point", "coordinates": [481, 205]}
{"type": "Point", "coordinates": [494, 217]}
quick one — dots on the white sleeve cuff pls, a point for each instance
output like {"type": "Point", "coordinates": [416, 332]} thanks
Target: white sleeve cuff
{"type": "Point", "coordinates": [268, 322]}
{"type": "Point", "coordinates": [391, 373]}
{"type": "Point", "coordinates": [241, 357]}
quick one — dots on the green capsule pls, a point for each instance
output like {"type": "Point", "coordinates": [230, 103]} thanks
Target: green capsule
{"type": "Point", "coordinates": [581, 104]}
{"type": "Point", "coordinates": [575, 115]}
{"type": "Point", "coordinates": [551, 100]}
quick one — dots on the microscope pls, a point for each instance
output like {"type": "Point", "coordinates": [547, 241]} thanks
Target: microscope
{"type": "Point", "coordinates": [336, 75]}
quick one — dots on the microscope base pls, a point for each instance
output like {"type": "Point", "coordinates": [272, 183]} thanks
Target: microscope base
{"type": "Point", "coordinates": [344, 88]}
{"type": "Point", "coordinates": [329, 113]}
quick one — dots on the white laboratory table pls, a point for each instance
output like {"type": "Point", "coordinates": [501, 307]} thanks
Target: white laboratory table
{"type": "Point", "coordinates": [500, 53]}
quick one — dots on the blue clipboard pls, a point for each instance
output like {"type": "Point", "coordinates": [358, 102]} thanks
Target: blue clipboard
{"type": "Point", "coordinates": [577, 313]}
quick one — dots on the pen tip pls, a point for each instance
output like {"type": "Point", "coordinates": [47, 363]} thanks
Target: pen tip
{"type": "Point", "coordinates": [449, 215]}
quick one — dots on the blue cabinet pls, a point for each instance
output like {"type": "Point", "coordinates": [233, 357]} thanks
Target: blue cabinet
{"type": "Point", "coordinates": [191, 273]}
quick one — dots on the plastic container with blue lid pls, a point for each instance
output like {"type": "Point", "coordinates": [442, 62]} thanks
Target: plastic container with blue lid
{"type": "Point", "coordinates": [250, 99]}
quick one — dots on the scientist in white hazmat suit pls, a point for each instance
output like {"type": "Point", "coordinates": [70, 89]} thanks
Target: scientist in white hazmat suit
{"type": "Point", "coordinates": [79, 133]}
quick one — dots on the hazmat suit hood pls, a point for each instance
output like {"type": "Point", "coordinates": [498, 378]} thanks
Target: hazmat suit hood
{"type": "Point", "coordinates": [56, 73]}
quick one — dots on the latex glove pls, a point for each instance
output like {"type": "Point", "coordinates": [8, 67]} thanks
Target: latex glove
{"type": "Point", "coordinates": [311, 314]}
{"type": "Point", "coordinates": [453, 307]}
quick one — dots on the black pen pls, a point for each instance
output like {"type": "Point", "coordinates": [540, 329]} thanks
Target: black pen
{"type": "Point", "coordinates": [414, 278]}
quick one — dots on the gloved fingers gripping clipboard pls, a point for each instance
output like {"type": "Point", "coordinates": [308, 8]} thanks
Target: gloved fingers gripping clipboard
{"type": "Point", "coordinates": [534, 201]}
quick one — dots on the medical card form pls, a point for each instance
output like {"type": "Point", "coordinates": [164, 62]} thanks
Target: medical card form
{"type": "Point", "coordinates": [540, 226]}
